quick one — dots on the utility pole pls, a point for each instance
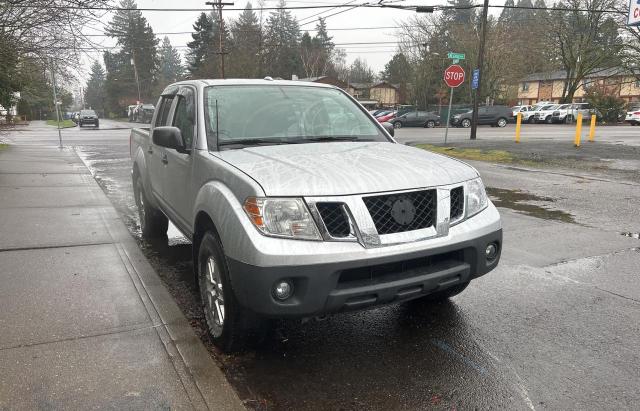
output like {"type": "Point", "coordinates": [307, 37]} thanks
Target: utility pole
{"type": "Point", "coordinates": [55, 99]}
{"type": "Point", "coordinates": [483, 39]}
{"type": "Point", "coordinates": [135, 72]}
{"type": "Point", "coordinates": [219, 4]}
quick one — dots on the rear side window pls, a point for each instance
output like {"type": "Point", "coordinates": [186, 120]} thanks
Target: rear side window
{"type": "Point", "coordinates": [163, 111]}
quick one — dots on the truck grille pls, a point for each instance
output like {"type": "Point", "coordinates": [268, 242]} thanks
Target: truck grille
{"type": "Point", "coordinates": [396, 213]}
{"type": "Point", "coordinates": [457, 203]}
{"type": "Point", "coordinates": [335, 219]}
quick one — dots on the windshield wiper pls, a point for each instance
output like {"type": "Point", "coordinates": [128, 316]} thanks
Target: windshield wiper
{"type": "Point", "coordinates": [246, 142]}
{"type": "Point", "coordinates": [331, 138]}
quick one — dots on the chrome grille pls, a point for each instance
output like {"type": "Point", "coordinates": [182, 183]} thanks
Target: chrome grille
{"type": "Point", "coordinates": [396, 213]}
{"type": "Point", "coordinates": [457, 203]}
{"type": "Point", "coordinates": [335, 219]}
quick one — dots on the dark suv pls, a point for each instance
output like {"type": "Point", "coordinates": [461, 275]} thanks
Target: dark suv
{"type": "Point", "coordinates": [88, 117]}
{"type": "Point", "coordinates": [491, 115]}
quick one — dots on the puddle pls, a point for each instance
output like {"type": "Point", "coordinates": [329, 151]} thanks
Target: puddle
{"type": "Point", "coordinates": [632, 235]}
{"type": "Point", "coordinates": [520, 201]}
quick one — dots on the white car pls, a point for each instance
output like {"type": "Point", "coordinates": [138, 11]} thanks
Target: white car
{"type": "Point", "coordinates": [545, 114]}
{"type": "Point", "coordinates": [561, 114]}
{"type": "Point", "coordinates": [633, 115]}
{"type": "Point", "coordinates": [520, 109]}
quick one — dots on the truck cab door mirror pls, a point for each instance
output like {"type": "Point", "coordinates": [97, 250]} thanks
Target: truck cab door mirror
{"type": "Point", "coordinates": [169, 137]}
{"type": "Point", "coordinates": [389, 127]}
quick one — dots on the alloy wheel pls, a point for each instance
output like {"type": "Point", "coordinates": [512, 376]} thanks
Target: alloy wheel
{"type": "Point", "coordinates": [213, 297]}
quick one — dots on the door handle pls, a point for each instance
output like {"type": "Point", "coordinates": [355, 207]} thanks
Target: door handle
{"type": "Point", "coordinates": [164, 159]}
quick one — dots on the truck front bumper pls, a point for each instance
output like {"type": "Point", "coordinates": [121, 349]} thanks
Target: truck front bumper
{"type": "Point", "coordinates": [338, 284]}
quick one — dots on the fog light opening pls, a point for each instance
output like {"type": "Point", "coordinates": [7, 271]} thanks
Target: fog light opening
{"type": "Point", "coordinates": [491, 252]}
{"type": "Point", "coordinates": [282, 290]}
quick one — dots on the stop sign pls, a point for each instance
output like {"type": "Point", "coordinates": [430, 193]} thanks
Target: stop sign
{"type": "Point", "coordinates": [454, 75]}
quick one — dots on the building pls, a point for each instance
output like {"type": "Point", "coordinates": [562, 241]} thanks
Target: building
{"type": "Point", "coordinates": [370, 95]}
{"type": "Point", "coordinates": [550, 85]}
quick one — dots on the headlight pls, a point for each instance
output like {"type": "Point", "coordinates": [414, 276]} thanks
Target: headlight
{"type": "Point", "coordinates": [282, 217]}
{"type": "Point", "coordinates": [476, 197]}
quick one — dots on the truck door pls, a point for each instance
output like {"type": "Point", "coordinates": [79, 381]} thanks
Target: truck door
{"type": "Point", "coordinates": [156, 154]}
{"type": "Point", "coordinates": [178, 180]}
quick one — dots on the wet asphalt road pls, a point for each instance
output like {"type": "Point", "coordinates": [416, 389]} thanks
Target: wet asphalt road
{"type": "Point", "coordinates": [556, 326]}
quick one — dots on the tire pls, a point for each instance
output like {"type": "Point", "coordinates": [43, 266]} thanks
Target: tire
{"type": "Point", "coordinates": [568, 119]}
{"type": "Point", "coordinates": [531, 120]}
{"type": "Point", "coordinates": [466, 123]}
{"type": "Point", "coordinates": [153, 223]}
{"type": "Point", "coordinates": [548, 120]}
{"type": "Point", "coordinates": [502, 122]}
{"type": "Point", "coordinates": [430, 124]}
{"type": "Point", "coordinates": [230, 325]}
{"type": "Point", "coordinates": [397, 124]}
{"type": "Point", "coordinates": [97, 125]}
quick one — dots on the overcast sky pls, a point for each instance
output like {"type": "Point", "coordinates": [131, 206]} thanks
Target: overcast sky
{"type": "Point", "coordinates": [376, 55]}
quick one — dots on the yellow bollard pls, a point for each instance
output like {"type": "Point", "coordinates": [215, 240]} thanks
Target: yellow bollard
{"type": "Point", "coordinates": [518, 124]}
{"type": "Point", "coordinates": [592, 130]}
{"type": "Point", "coordinates": [576, 141]}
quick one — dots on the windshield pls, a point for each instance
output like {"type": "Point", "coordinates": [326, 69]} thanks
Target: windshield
{"type": "Point", "coordinates": [87, 113]}
{"type": "Point", "coordinates": [284, 114]}
{"type": "Point", "coordinates": [148, 106]}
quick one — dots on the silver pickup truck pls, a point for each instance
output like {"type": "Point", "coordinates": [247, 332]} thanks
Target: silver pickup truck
{"type": "Point", "coordinates": [300, 204]}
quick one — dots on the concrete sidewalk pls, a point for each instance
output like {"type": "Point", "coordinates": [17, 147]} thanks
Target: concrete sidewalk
{"type": "Point", "coordinates": [85, 322]}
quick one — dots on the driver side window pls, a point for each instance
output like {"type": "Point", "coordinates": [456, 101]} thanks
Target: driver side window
{"type": "Point", "coordinates": [184, 117]}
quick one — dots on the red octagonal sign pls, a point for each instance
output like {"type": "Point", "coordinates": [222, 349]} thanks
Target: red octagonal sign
{"type": "Point", "coordinates": [454, 75]}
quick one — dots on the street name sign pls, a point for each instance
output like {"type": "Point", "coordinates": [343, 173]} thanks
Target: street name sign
{"type": "Point", "coordinates": [454, 76]}
{"type": "Point", "coordinates": [458, 56]}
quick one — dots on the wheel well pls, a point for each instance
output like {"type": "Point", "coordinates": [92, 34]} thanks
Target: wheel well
{"type": "Point", "coordinates": [203, 223]}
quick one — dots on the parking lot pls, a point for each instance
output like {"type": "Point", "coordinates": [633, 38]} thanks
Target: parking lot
{"type": "Point", "coordinates": [555, 326]}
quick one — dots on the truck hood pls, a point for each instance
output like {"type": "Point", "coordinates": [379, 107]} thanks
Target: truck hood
{"type": "Point", "coordinates": [344, 168]}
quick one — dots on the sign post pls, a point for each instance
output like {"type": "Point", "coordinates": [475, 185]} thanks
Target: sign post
{"type": "Point", "coordinates": [453, 77]}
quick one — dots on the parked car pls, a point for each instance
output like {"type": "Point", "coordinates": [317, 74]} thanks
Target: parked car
{"type": "Point", "coordinates": [293, 216]}
{"type": "Point", "coordinates": [584, 108]}
{"type": "Point", "coordinates": [387, 117]}
{"type": "Point", "coordinates": [562, 114]}
{"type": "Point", "coordinates": [416, 119]}
{"type": "Point", "coordinates": [487, 115]}
{"type": "Point", "coordinates": [633, 114]}
{"type": "Point", "coordinates": [144, 113]}
{"type": "Point", "coordinates": [88, 117]}
{"type": "Point", "coordinates": [382, 113]}
{"type": "Point", "coordinates": [545, 114]}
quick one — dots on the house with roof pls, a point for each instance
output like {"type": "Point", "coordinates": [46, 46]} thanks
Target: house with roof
{"type": "Point", "coordinates": [549, 86]}
{"type": "Point", "coordinates": [370, 95]}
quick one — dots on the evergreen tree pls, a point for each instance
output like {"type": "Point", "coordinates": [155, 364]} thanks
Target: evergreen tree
{"type": "Point", "coordinates": [170, 69]}
{"type": "Point", "coordinates": [281, 44]}
{"type": "Point", "coordinates": [508, 12]}
{"type": "Point", "coordinates": [94, 92]}
{"type": "Point", "coordinates": [137, 44]}
{"type": "Point", "coordinates": [204, 53]}
{"type": "Point", "coordinates": [246, 43]}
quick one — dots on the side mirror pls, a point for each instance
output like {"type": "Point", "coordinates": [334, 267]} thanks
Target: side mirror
{"type": "Point", "coordinates": [169, 137]}
{"type": "Point", "coordinates": [389, 127]}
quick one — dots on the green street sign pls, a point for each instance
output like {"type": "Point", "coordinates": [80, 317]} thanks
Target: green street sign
{"type": "Point", "coordinates": [457, 56]}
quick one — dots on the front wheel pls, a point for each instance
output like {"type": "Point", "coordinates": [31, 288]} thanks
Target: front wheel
{"type": "Point", "coordinates": [153, 223]}
{"type": "Point", "coordinates": [531, 120]}
{"type": "Point", "coordinates": [568, 119]}
{"type": "Point", "coordinates": [430, 124]}
{"type": "Point", "coordinates": [466, 123]}
{"type": "Point", "coordinates": [502, 122]}
{"type": "Point", "coordinates": [397, 124]}
{"type": "Point", "coordinates": [548, 120]}
{"type": "Point", "coordinates": [231, 326]}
